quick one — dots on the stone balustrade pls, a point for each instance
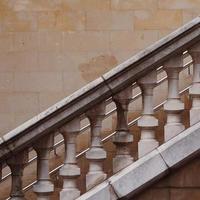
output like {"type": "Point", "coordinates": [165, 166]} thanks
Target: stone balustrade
{"type": "Point", "coordinates": [90, 101]}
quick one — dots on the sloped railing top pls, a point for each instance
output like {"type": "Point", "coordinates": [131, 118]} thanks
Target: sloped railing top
{"type": "Point", "coordinates": [102, 88]}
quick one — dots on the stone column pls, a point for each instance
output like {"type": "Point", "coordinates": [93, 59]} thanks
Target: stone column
{"type": "Point", "coordinates": [44, 187]}
{"type": "Point", "coordinates": [17, 164]}
{"type": "Point", "coordinates": [194, 90]}
{"type": "Point", "coordinates": [122, 138]}
{"type": "Point", "coordinates": [147, 122]}
{"type": "Point", "coordinates": [96, 155]}
{"type": "Point", "coordinates": [174, 106]}
{"type": "Point", "coordinates": [70, 170]}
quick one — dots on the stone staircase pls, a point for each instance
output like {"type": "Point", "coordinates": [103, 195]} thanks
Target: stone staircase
{"type": "Point", "coordinates": [108, 169]}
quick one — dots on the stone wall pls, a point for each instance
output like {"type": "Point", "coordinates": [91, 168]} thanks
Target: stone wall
{"type": "Point", "coordinates": [182, 184]}
{"type": "Point", "coordinates": [50, 48]}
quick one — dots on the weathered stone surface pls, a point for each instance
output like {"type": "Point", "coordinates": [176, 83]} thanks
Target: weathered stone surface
{"type": "Point", "coordinates": [135, 176]}
{"type": "Point", "coordinates": [133, 4]}
{"type": "Point", "coordinates": [102, 191]}
{"type": "Point", "coordinates": [156, 164]}
{"type": "Point", "coordinates": [109, 20]}
{"type": "Point", "coordinates": [181, 184]}
{"type": "Point", "coordinates": [34, 37]}
{"type": "Point", "coordinates": [43, 17]}
{"type": "Point", "coordinates": [181, 147]}
{"type": "Point", "coordinates": [145, 19]}
{"type": "Point", "coordinates": [178, 4]}
{"type": "Point", "coordinates": [153, 194]}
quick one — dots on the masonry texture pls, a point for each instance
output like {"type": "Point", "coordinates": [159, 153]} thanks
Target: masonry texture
{"type": "Point", "coordinates": [182, 184]}
{"type": "Point", "coordinates": [50, 48]}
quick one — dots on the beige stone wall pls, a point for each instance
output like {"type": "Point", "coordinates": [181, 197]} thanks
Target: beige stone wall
{"type": "Point", "coordinates": [50, 48]}
{"type": "Point", "coordinates": [182, 184]}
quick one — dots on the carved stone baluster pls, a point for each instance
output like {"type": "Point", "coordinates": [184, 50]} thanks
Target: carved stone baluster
{"type": "Point", "coordinates": [194, 90]}
{"type": "Point", "coordinates": [122, 138]}
{"type": "Point", "coordinates": [147, 122]}
{"type": "Point", "coordinates": [96, 155]}
{"type": "Point", "coordinates": [44, 187]}
{"type": "Point", "coordinates": [174, 106]}
{"type": "Point", "coordinates": [17, 164]}
{"type": "Point", "coordinates": [70, 170]}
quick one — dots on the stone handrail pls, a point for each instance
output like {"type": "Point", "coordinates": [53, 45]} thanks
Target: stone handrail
{"type": "Point", "coordinates": [65, 116]}
{"type": "Point", "coordinates": [108, 114]}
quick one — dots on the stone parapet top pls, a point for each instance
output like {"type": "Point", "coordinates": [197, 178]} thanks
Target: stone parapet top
{"type": "Point", "coordinates": [150, 168]}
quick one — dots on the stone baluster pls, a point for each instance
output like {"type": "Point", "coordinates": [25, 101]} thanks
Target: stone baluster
{"type": "Point", "coordinates": [147, 122]}
{"type": "Point", "coordinates": [17, 164]}
{"type": "Point", "coordinates": [194, 90]}
{"type": "Point", "coordinates": [70, 170]}
{"type": "Point", "coordinates": [122, 137]}
{"type": "Point", "coordinates": [96, 155]}
{"type": "Point", "coordinates": [44, 187]}
{"type": "Point", "coordinates": [173, 106]}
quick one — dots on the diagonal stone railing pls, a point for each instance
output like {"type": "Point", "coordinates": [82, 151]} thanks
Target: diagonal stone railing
{"type": "Point", "coordinates": [56, 145]}
{"type": "Point", "coordinates": [90, 101]}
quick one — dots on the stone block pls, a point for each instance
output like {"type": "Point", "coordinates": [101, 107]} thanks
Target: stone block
{"type": "Point", "coordinates": [86, 41]}
{"type": "Point", "coordinates": [38, 82]}
{"type": "Point", "coordinates": [120, 40]}
{"type": "Point", "coordinates": [86, 5]}
{"type": "Point", "coordinates": [41, 5]}
{"type": "Point", "coordinates": [145, 19]}
{"type": "Point", "coordinates": [133, 4]}
{"type": "Point", "coordinates": [68, 80]}
{"type": "Point", "coordinates": [184, 194]}
{"type": "Point", "coordinates": [138, 174]}
{"type": "Point", "coordinates": [6, 82]}
{"type": "Point", "coordinates": [188, 15]}
{"type": "Point", "coordinates": [70, 21]}
{"type": "Point", "coordinates": [102, 191]}
{"type": "Point", "coordinates": [179, 4]}
{"type": "Point", "coordinates": [18, 21]}
{"type": "Point", "coordinates": [109, 20]}
{"type": "Point", "coordinates": [7, 62]}
{"type": "Point", "coordinates": [62, 20]}
{"type": "Point", "coordinates": [46, 20]}
{"type": "Point", "coordinates": [7, 122]}
{"type": "Point", "coordinates": [50, 41]}
{"type": "Point", "coordinates": [186, 176]}
{"type": "Point", "coordinates": [25, 41]}
{"type": "Point", "coordinates": [94, 65]}
{"type": "Point", "coordinates": [21, 61]}
{"type": "Point", "coordinates": [181, 147]}
{"type": "Point", "coordinates": [22, 117]}
{"type": "Point", "coordinates": [47, 99]}
{"type": "Point", "coordinates": [24, 102]}
{"type": "Point", "coordinates": [49, 61]}
{"type": "Point", "coordinates": [154, 194]}
{"type": "Point", "coordinates": [6, 42]}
